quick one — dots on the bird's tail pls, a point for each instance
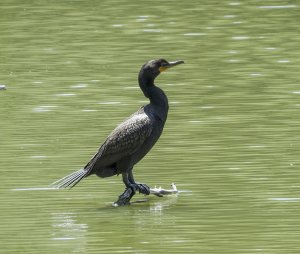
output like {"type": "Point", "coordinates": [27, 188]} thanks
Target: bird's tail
{"type": "Point", "coordinates": [71, 180]}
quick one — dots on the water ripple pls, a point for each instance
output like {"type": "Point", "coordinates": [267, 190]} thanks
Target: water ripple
{"type": "Point", "coordinates": [79, 86]}
{"type": "Point", "coordinates": [277, 6]}
{"type": "Point", "coordinates": [65, 94]}
{"type": "Point", "coordinates": [45, 108]}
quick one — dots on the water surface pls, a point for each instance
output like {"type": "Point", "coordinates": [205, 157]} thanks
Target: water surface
{"type": "Point", "coordinates": [231, 139]}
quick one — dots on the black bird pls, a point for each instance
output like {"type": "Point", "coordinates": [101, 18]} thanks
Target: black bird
{"type": "Point", "coordinates": [132, 139]}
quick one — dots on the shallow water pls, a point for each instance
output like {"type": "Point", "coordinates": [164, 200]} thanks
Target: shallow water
{"type": "Point", "coordinates": [231, 141]}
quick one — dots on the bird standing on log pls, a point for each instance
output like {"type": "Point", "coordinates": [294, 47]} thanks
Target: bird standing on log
{"type": "Point", "coordinates": [129, 142]}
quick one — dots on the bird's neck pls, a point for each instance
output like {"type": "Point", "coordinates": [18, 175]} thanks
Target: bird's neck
{"type": "Point", "coordinates": [156, 96]}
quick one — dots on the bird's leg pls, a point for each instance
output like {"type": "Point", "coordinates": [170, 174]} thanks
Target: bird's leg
{"type": "Point", "coordinates": [131, 188]}
{"type": "Point", "coordinates": [124, 198]}
{"type": "Point", "coordinates": [143, 188]}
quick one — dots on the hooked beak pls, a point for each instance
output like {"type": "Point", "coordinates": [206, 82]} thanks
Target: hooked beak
{"type": "Point", "coordinates": [170, 64]}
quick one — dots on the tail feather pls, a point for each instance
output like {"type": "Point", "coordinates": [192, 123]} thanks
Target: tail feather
{"type": "Point", "coordinates": [71, 180]}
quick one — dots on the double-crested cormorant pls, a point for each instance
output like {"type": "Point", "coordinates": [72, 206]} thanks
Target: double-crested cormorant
{"type": "Point", "coordinates": [131, 140]}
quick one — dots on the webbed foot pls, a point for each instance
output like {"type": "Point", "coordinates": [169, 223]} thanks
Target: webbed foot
{"type": "Point", "coordinates": [143, 188]}
{"type": "Point", "coordinates": [124, 198]}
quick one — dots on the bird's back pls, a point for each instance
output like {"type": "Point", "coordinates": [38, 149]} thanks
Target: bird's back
{"type": "Point", "coordinates": [127, 143]}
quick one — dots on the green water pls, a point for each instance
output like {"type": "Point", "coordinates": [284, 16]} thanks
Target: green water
{"type": "Point", "coordinates": [231, 139]}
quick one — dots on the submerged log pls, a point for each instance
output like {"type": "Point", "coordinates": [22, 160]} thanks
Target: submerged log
{"type": "Point", "coordinates": [160, 192]}
{"type": "Point", "coordinates": [2, 87]}
{"type": "Point", "coordinates": [125, 197]}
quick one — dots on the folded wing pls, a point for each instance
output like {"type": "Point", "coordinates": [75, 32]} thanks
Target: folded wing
{"type": "Point", "coordinates": [124, 140]}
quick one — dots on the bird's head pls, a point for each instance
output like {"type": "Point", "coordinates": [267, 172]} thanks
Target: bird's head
{"type": "Point", "coordinates": [153, 68]}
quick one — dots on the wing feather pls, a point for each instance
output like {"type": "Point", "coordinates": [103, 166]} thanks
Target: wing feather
{"type": "Point", "coordinates": [124, 140]}
{"type": "Point", "coordinates": [128, 136]}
